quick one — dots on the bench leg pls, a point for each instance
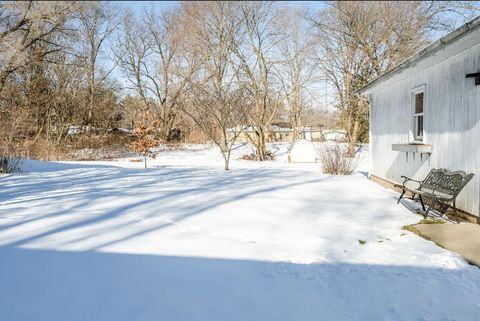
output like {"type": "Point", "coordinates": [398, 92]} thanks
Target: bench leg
{"type": "Point", "coordinates": [455, 212]}
{"type": "Point", "coordinates": [426, 213]}
{"type": "Point", "coordinates": [421, 201]}
{"type": "Point", "coordinates": [403, 192]}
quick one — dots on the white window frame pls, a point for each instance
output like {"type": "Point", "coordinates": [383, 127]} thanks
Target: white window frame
{"type": "Point", "coordinates": [413, 132]}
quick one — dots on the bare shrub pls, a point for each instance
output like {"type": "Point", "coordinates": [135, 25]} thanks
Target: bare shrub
{"type": "Point", "coordinates": [335, 160]}
{"type": "Point", "coordinates": [81, 146]}
{"type": "Point", "coordinates": [10, 165]}
{"type": "Point", "coordinates": [269, 155]}
{"type": "Point", "coordinates": [196, 136]}
{"type": "Point", "coordinates": [11, 160]}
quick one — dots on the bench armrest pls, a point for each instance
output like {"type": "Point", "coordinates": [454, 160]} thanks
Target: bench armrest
{"type": "Point", "coordinates": [406, 179]}
{"type": "Point", "coordinates": [410, 179]}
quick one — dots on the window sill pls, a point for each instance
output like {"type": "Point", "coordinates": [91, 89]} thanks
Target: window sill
{"type": "Point", "coordinates": [414, 147]}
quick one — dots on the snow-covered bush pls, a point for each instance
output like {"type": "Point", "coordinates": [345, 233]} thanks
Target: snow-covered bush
{"type": "Point", "coordinates": [335, 160]}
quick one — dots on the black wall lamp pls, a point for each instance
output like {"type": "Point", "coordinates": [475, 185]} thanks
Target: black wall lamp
{"type": "Point", "coordinates": [475, 75]}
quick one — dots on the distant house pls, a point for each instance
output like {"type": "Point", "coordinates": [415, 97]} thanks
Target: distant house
{"type": "Point", "coordinates": [338, 135]}
{"type": "Point", "coordinates": [278, 133]}
{"type": "Point", "coordinates": [425, 113]}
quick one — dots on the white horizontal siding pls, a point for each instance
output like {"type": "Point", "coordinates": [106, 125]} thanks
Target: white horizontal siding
{"type": "Point", "coordinates": [451, 123]}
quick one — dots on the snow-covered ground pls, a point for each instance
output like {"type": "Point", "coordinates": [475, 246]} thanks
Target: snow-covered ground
{"type": "Point", "coordinates": [185, 240]}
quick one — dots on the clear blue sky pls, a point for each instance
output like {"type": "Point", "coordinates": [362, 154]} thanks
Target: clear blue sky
{"type": "Point", "coordinates": [138, 6]}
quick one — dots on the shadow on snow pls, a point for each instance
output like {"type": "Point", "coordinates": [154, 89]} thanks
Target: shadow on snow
{"type": "Point", "coordinates": [54, 285]}
{"type": "Point", "coordinates": [94, 285]}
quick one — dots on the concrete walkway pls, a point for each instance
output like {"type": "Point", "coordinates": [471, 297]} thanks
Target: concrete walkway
{"type": "Point", "coordinates": [461, 238]}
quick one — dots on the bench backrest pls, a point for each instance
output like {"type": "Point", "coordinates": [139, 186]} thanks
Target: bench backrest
{"type": "Point", "coordinates": [444, 183]}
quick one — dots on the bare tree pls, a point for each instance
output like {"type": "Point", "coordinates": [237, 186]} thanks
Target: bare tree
{"type": "Point", "coordinates": [97, 21]}
{"type": "Point", "coordinates": [217, 116]}
{"type": "Point", "coordinates": [66, 99]}
{"type": "Point", "coordinates": [31, 38]}
{"type": "Point", "coordinates": [297, 71]}
{"type": "Point", "coordinates": [25, 28]}
{"type": "Point", "coordinates": [257, 58]}
{"type": "Point", "coordinates": [216, 100]}
{"type": "Point", "coordinates": [151, 60]}
{"type": "Point", "coordinates": [132, 50]}
{"type": "Point", "coordinates": [43, 71]}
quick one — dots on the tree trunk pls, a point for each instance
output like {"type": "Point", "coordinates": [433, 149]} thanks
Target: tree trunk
{"type": "Point", "coordinates": [261, 149]}
{"type": "Point", "coordinates": [353, 137]}
{"type": "Point", "coordinates": [90, 89]}
{"type": "Point", "coordinates": [295, 132]}
{"type": "Point", "coordinates": [295, 123]}
{"type": "Point", "coordinates": [145, 161]}
{"type": "Point", "coordinates": [226, 159]}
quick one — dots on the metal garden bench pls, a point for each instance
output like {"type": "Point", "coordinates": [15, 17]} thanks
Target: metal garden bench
{"type": "Point", "coordinates": [438, 190]}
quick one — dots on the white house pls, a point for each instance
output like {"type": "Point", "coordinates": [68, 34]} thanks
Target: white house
{"type": "Point", "coordinates": [425, 113]}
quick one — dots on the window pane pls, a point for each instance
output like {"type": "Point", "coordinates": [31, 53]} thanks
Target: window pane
{"type": "Point", "coordinates": [418, 126]}
{"type": "Point", "coordinates": [418, 103]}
